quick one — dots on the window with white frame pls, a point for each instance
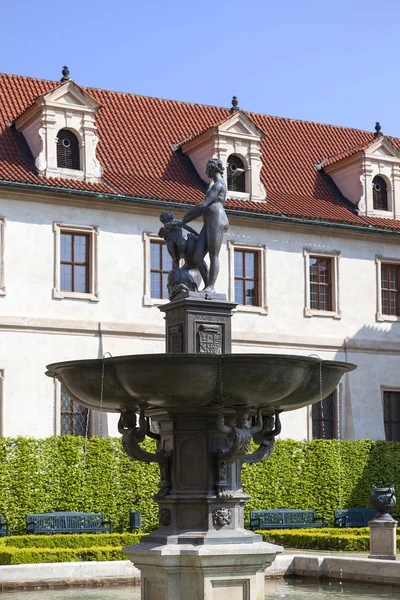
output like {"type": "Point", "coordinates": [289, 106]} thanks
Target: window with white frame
{"type": "Point", "coordinates": [236, 174]}
{"type": "Point", "coordinates": [2, 268]}
{"type": "Point", "coordinates": [71, 417]}
{"type": "Point", "coordinates": [1, 402]}
{"type": "Point", "coordinates": [75, 262]}
{"type": "Point", "coordinates": [247, 286]}
{"type": "Point", "coordinates": [68, 153]}
{"type": "Point", "coordinates": [160, 267]}
{"type": "Point", "coordinates": [391, 415]}
{"type": "Point", "coordinates": [325, 417]}
{"type": "Point", "coordinates": [388, 288]}
{"type": "Point", "coordinates": [380, 193]}
{"type": "Point", "coordinates": [158, 264]}
{"type": "Point", "coordinates": [321, 283]}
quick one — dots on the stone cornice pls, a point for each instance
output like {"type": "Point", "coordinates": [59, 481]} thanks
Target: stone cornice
{"type": "Point", "coordinates": [127, 204]}
{"type": "Point", "coordinates": [156, 332]}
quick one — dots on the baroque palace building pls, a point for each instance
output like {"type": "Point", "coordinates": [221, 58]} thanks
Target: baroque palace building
{"type": "Point", "coordinates": [312, 256]}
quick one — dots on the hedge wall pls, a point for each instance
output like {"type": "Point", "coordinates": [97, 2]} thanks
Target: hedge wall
{"type": "Point", "coordinates": [318, 540]}
{"type": "Point", "coordinates": [73, 474]}
{"type": "Point", "coordinates": [70, 473]}
{"type": "Point", "coordinates": [70, 540]}
{"type": "Point", "coordinates": [25, 556]}
{"type": "Point", "coordinates": [321, 475]}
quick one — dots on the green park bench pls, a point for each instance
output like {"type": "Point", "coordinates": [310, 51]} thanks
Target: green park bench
{"type": "Point", "coordinates": [284, 518]}
{"type": "Point", "coordinates": [354, 517]}
{"type": "Point", "coordinates": [68, 522]}
{"type": "Point", "coordinates": [4, 527]}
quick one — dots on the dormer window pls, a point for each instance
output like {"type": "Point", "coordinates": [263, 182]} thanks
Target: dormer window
{"type": "Point", "coordinates": [236, 174]}
{"type": "Point", "coordinates": [67, 150]}
{"type": "Point", "coordinates": [369, 176]}
{"type": "Point", "coordinates": [237, 142]}
{"type": "Point", "coordinates": [379, 193]}
{"type": "Point", "coordinates": [60, 129]}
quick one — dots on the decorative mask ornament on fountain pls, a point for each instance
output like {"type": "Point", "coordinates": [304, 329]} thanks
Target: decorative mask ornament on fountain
{"type": "Point", "coordinates": [209, 404]}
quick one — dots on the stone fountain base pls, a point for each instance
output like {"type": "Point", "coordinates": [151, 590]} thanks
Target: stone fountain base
{"type": "Point", "coordinates": [205, 572]}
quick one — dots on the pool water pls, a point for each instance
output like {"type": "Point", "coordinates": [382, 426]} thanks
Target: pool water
{"type": "Point", "coordinates": [301, 589]}
{"type": "Point", "coordinates": [289, 589]}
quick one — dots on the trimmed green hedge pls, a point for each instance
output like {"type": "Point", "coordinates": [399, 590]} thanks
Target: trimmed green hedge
{"type": "Point", "coordinates": [73, 474]}
{"type": "Point", "coordinates": [95, 475]}
{"type": "Point", "coordinates": [19, 556]}
{"type": "Point", "coordinates": [321, 475]}
{"type": "Point", "coordinates": [317, 540]}
{"type": "Point", "coordinates": [71, 541]}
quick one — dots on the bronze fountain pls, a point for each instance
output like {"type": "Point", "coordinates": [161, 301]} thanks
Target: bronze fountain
{"type": "Point", "coordinates": [209, 404]}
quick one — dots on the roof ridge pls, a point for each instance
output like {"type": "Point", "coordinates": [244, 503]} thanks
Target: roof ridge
{"type": "Point", "coordinates": [3, 74]}
{"type": "Point", "coordinates": [360, 146]}
{"type": "Point", "coordinates": [347, 127]}
{"type": "Point", "coordinates": [187, 102]}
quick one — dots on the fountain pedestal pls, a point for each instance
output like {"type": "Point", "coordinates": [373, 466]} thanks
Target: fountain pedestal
{"type": "Point", "coordinates": [201, 550]}
{"type": "Point", "coordinates": [210, 404]}
{"type": "Point", "coordinates": [207, 572]}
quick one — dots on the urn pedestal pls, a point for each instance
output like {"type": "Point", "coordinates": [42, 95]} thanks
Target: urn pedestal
{"type": "Point", "coordinates": [382, 541]}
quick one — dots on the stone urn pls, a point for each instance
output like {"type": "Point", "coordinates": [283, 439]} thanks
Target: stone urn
{"type": "Point", "coordinates": [383, 501]}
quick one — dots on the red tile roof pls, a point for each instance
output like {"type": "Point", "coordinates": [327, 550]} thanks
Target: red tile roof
{"type": "Point", "coordinates": [351, 151]}
{"type": "Point", "coordinates": [348, 152]}
{"type": "Point", "coordinates": [136, 135]}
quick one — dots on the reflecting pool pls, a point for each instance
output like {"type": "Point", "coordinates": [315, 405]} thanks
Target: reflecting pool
{"type": "Point", "coordinates": [290, 589]}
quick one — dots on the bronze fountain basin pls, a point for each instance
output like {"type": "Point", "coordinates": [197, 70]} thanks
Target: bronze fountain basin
{"type": "Point", "coordinates": [194, 381]}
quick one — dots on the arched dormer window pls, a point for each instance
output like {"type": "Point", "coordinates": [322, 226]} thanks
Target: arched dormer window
{"type": "Point", "coordinates": [236, 174]}
{"type": "Point", "coordinates": [379, 193]}
{"type": "Point", "coordinates": [68, 155]}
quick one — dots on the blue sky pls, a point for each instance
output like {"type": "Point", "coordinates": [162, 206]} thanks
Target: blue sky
{"type": "Point", "coordinates": [332, 62]}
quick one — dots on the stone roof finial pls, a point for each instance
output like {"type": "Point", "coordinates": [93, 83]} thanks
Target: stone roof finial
{"type": "Point", "coordinates": [235, 105]}
{"type": "Point", "coordinates": [378, 129]}
{"type": "Point", "coordinates": [65, 74]}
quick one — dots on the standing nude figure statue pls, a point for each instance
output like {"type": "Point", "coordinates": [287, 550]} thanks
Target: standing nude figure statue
{"type": "Point", "coordinates": [215, 224]}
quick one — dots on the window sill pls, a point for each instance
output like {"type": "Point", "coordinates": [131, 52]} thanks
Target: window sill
{"type": "Point", "coordinates": [65, 173]}
{"type": "Point", "coordinates": [258, 310]}
{"type": "Point", "coordinates": [238, 195]}
{"type": "Point", "coordinates": [384, 214]}
{"type": "Point", "coordinates": [60, 295]}
{"type": "Point", "coordinates": [310, 312]}
{"type": "Point", "coordinates": [391, 318]}
{"type": "Point", "coordinates": [154, 301]}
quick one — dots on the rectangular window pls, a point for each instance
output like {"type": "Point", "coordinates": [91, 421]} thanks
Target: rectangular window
{"type": "Point", "coordinates": [74, 417]}
{"type": "Point", "coordinates": [320, 283]}
{"type": "Point", "coordinates": [246, 276]}
{"type": "Point", "coordinates": [390, 293]}
{"type": "Point", "coordinates": [2, 275]}
{"type": "Point", "coordinates": [75, 262]}
{"type": "Point", "coordinates": [391, 415]}
{"type": "Point", "coordinates": [1, 402]}
{"type": "Point", "coordinates": [160, 266]}
{"type": "Point", "coordinates": [325, 418]}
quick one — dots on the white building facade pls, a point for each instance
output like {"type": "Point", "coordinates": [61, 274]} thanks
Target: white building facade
{"type": "Point", "coordinates": [83, 272]}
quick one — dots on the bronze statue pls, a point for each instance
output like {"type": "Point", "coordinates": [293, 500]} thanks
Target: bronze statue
{"type": "Point", "coordinates": [215, 224]}
{"type": "Point", "coordinates": [241, 435]}
{"type": "Point", "coordinates": [183, 278]}
{"type": "Point", "coordinates": [265, 438]}
{"type": "Point", "coordinates": [171, 231]}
